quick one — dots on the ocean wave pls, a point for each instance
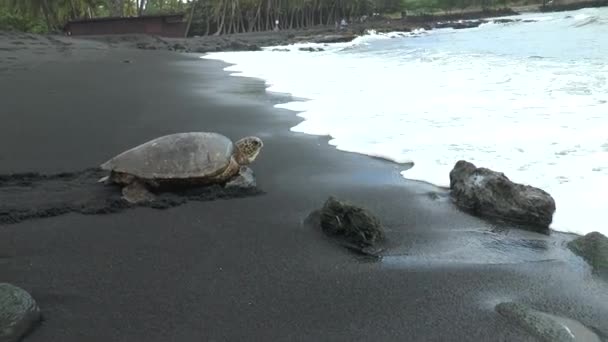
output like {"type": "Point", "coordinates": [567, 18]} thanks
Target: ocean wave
{"type": "Point", "coordinates": [592, 20]}
{"type": "Point", "coordinates": [462, 95]}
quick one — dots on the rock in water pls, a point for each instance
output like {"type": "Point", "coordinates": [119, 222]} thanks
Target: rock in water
{"type": "Point", "coordinates": [592, 247]}
{"type": "Point", "coordinates": [488, 193]}
{"type": "Point", "coordinates": [355, 225]}
{"type": "Point", "coordinates": [545, 326]}
{"type": "Point", "coordinates": [311, 49]}
{"type": "Point", "coordinates": [18, 313]}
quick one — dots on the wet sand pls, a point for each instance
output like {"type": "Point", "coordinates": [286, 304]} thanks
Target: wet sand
{"type": "Point", "coordinates": [248, 268]}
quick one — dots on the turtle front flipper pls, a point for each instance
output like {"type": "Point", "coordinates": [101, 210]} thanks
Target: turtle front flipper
{"type": "Point", "coordinates": [244, 179]}
{"type": "Point", "coordinates": [137, 193]}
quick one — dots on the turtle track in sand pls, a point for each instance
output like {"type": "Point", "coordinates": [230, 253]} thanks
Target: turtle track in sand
{"type": "Point", "coordinates": [31, 195]}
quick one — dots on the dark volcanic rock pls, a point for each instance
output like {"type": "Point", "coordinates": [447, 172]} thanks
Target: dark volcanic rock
{"type": "Point", "coordinates": [592, 247]}
{"type": "Point", "coordinates": [334, 38]}
{"type": "Point", "coordinates": [353, 227]}
{"type": "Point", "coordinates": [457, 25]}
{"type": "Point", "coordinates": [311, 49]}
{"type": "Point", "coordinates": [18, 313]}
{"type": "Point", "coordinates": [545, 326]}
{"type": "Point", "coordinates": [488, 193]}
{"type": "Point", "coordinates": [241, 46]}
{"type": "Point", "coordinates": [504, 21]}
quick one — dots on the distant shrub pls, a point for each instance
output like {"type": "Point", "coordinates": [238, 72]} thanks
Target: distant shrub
{"type": "Point", "coordinates": [12, 22]}
{"type": "Point", "coordinates": [15, 22]}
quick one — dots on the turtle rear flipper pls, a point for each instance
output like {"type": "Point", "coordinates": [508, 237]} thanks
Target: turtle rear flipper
{"type": "Point", "coordinates": [136, 193]}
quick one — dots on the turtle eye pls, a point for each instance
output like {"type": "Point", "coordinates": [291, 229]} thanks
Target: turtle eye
{"type": "Point", "coordinates": [256, 143]}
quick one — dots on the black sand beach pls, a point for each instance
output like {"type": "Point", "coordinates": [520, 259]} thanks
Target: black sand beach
{"type": "Point", "coordinates": [248, 269]}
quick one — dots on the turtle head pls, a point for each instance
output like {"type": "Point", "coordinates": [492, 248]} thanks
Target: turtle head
{"type": "Point", "coordinates": [248, 149]}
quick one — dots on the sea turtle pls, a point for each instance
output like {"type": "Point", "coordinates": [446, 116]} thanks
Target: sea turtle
{"type": "Point", "coordinates": [181, 159]}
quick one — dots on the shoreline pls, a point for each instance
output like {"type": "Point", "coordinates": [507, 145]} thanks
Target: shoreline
{"type": "Point", "coordinates": [405, 166]}
{"type": "Point", "coordinates": [563, 228]}
{"type": "Point", "coordinates": [249, 268]}
{"type": "Point", "coordinates": [253, 41]}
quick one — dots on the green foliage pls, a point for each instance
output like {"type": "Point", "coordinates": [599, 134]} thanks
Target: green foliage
{"type": "Point", "coordinates": [164, 6]}
{"type": "Point", "coordinates": [221, 16]}
{"type": "Point", "coordinates": [11, 20]}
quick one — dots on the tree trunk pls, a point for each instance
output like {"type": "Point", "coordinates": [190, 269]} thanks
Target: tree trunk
{"type": "Point", "coordinates": [241, 22]}
{"type": "Point", "coordinates": [222, 19]}
{"type": "Point", "coordinates": [331, 14]}
{"type": "Point", "coordinates": [320, 14]}
{"type": "Point", "coordinates": [207, 24]}
{"type": "Point", "coordinates": [47, 15]}
{"type": "Point", "coordinates": [140, 8]}
{"type": "Point", "coordinates": [291, 19]}
{"type": "Point", "coordinates": [73, 14]}
{"type": "Point", "coordinates": [253, 24]}
{"type": "Point", "coordinates": [190, 19]}
{"type": "Point", "coordinates": [268, 6]}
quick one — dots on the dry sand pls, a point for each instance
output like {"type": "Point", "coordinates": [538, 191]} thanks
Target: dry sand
{"type": "Point", "coordinates": [246, 269]}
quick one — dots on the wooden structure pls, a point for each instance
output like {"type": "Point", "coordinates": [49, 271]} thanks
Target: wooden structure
{"type": "Point", "coordinates": [173, 25]}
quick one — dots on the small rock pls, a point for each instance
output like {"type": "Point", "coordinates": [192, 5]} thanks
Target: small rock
{"type": "Point", "coordinates": [337, 38]}
{"type": "Point", "coordinates": [18, 313]}
{"type": "Point", "coordinates": [545, 326]}
{"type": "Point", "coordinates": [179, 47]}
{"type": "Point", "coordinates": [355, 227]}
{"type": "Point", "coordinates": [245, 179]}
{"type": "Point", "coordinates": [202, 49]}
{"type": "Point", "coordinates": [488, 193]}
{"type": "Point", "coordinates": [503, 21]}
{"type": "Point", "coordinates": [592, 247]}
{"type": "Point", "coordinates": [241, 46]}
{"type": "Point", "coordinates": [311, 49]}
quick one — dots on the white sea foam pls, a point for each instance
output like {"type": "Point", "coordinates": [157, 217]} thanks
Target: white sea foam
{"type": "Point", "coordinates": [535, 111]}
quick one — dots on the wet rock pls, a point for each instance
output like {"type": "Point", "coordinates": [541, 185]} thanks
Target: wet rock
{"type": "Point", "coordinates": [311, 49]}
{"type": "Point", "coordinates": [503, 21]}
{"type": "Point", "coordinates": [281, 50]}
{"type": "Point", "coordinates": [487, 193]}
{"type": "Point", "coordinates": [545, 326]}
{"type": "Point", "coordinates": [18, 313]}
{"type": "Point", "coordinates": [241, 46]}
{"type": "Point", "coordinates": [202, 49]}
{"type": "Point", "coordinates": [353, 227]}
{"type": "Point", "coordinates": [458, 25]}
{"type": "Point", "coordinates": [179, 47]}
{"type": "Point", "coordinates": [592, 247]}
{"type": "Point", "coordinates": [335, 38]}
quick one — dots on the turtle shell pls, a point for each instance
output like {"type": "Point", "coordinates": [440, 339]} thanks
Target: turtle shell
{"type": "Point", "coordinates": [175, 156]}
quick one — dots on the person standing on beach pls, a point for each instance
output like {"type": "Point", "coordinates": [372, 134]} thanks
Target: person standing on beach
{"type": "Point", "coordinates": [343, 24]}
